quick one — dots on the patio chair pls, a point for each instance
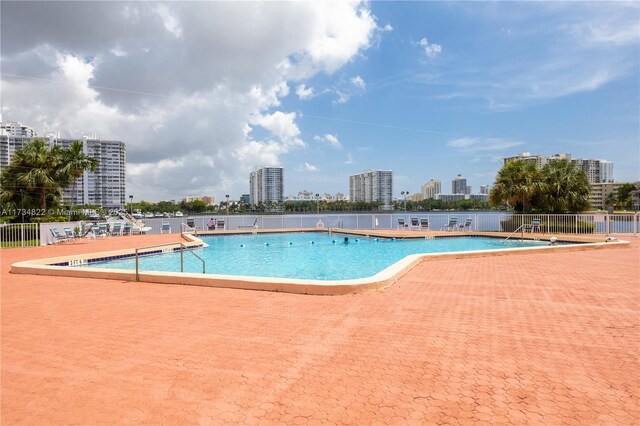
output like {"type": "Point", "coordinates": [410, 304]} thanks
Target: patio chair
{"type": "Point", "coordinates": [415, 224]}
{"type": "Point", "coordinates": [126, 230]}
{"type": "Point", "coordinates": [451, 226]}
{"type": "Point", "coordinates": [401, 224]}
{"type": "Point", "coordinates": [255, 225]}
{"type": "Point", "coordinates": [103, 230]}
{"type": "Point", "coordinates": [191, 223]}
{"type": "Point", "coordinates": [69, 233]}
{"type": "Point", "coordinates": [466, 226]}
{"type": "Point", "coordinates": [116, 229]}
{"type": "Point", "coordinates": [220, 224]}
{"type": "Point", "coordinates": [166, 227]}
{"type": "Point", "coordinates": [533, 226]}
{"type": "Point", "coordinates": [58, 237]}
{"type": "Point", "coordinates": [424, 224]}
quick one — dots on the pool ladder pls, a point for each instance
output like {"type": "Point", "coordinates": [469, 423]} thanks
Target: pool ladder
{"type": "Point", "coordinates": [334, 224]}
{"type": "Point", "coordinates": [183, 248]}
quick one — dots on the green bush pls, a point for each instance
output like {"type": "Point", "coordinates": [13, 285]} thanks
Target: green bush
{"type": "Point", "coordinates": [562, 227]}
{"type": "Point", "coordinates": [48, 219]}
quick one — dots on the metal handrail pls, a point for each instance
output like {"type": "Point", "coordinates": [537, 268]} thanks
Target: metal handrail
{"type": "Point", "coordinates": [335, 222]}
{"type": "Point", "coordinates": [189, 228]}
{"type": "Point", "coordinates": [517, 229]}
{"type": "Point", "coordinates": [183, 247]}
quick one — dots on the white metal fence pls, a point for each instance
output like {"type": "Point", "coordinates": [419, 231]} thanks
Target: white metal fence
{"type": "Point", "coordinates": [29, 235]}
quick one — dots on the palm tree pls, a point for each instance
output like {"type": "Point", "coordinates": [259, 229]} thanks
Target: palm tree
{"type": "Point", "coordinates": [517, 183]}
{"type": "Point", "coordinates": [35, 170]}
{"type": "Point", "coordinates": [74, 163]}
{"type": "Point", "coordinates": [566, 188]}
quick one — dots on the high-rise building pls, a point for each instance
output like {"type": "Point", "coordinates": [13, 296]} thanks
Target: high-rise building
{"type": "Point", "coordinates": [430, 189]}
{"type": "Point", "coordinates": [597, 171]}
{"type": "Point", "coordinates": [371, 185]}
{"type": "Point", "coordinates": [266, 184]}
{"type": "Point", "coordinates": [15, 128]}
{"type": "Point", "coordinates": [104, 187]}
{"type": "Point", "coordinates": [245, 199]}
{"type": "Point", "coordinates": [459, 185]}
{"type": "Point", "coordinates": [485, 189]}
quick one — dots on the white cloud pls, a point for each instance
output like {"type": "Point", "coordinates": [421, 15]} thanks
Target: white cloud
{"type": "Point", "coordinates": [387, 28]}
{"type": "Point", "coordinates": [349, 159]}
{"type": "Point", "coordinates": [358, 82]}
{"type": "Point", "coordinates": [306, 167]}
{"type": "Point", "coordinates": [331, 139]}
{"type": "Point", "coordinates": [187, 98]}
{"type": "Point", "coordinates": [431, 49]}
{"type": "Point", "coordinates": [343, 97]}
{"type": "Point", "coordinates": [304, 93]}
{"type": "Point", "coordinates": [476, 144]}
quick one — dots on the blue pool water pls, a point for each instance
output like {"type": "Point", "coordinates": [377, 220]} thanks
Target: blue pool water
{"type": "Point", "coordinates": [306, 255]}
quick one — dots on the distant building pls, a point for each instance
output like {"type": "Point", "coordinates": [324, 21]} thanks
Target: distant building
{"type": "Point", "coordinates": [371, 185]}
{"type": "Point", "coordinates": [15, 128]}
{"type": "Point", "coordinates": [207, 199]}
{"type": "Point", "coordinates": [600, 192]}
{"type": "Point", "coordinates": [430, 189]}
{"type": "Point", "coordinates": [416, 197]}
{"type": "Point", "coordinates": [459, 185]}
{"type": "Point", "coordinates": [481, 197]}
{"type": "Point", "coordinates": [485, 189]}
{"type": "Point", "coordinates": [597, 171]}
{"type": "Point", "coordinates": [104, 187]}
{"type": "Point", "coordinates": [245, 199]}
{"type": "Point", "coordinates": [266, 185]}
{"type": "Point", "coordinates": [635, 199]}
{"type": "Point", "coordinates": [450, 197]}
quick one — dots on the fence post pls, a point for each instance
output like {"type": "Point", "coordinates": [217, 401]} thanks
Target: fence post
{"type": "Point", "coordinates": [22, 234]}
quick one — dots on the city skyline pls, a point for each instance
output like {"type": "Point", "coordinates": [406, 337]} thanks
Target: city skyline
{"type": "Point", "coordinates": [202, 92]}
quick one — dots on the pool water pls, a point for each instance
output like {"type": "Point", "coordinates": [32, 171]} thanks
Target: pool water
{"type": "Point", "coordinates": [306, 255]}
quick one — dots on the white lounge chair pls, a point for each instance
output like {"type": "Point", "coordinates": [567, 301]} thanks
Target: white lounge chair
{"type": "Point", "coordinates": [453, 222]}
{"type": "Point", "coordinates": [166, 227]}
{"type": "Point", "coordinates": [466, 226]}
{"type": "Point", "coordinates": [424, 224]}
{"type": "Point", "coordinates": [414, 224]}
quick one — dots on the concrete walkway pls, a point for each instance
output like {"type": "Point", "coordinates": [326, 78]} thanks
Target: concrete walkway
{"type": "Point", "coordinates": [546, 338]}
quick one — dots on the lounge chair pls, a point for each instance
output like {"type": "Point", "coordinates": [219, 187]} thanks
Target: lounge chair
{"type": "Point", "coordinates": [69, 233]}
{"type": "Point", "coordinates": [127, 229]}
{"type": "Point", "coordinates": [466, 226]}
{"type": "Point", "coordinates": [116, 229]}
{"type": "Point", "coordinates": [415, 224]}
{"type": "Point", "coordinates": [401, 224]}
{"type": "Point", "coordinates": [166, 227]}
{"type": "Point", "coordinates": [58, 237]}
{"type": "Point", "coordinates": [255, 225]}
{"type": "Point", "coordinates": [453, 222]}
{"type": "Point", "coordinates": [424, 224]}
{"type": "Point", "coordinates": [103, 230]}
{"type": "Point", "coordinates": [533, 226]}
{"type": "Point", "coordinates": [220, 224]}
{"type": "Point", "coordinates": [191, 223]}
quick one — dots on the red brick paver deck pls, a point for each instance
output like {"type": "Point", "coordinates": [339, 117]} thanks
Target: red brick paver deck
{"type": "Point", "coordinates": [533, 339]}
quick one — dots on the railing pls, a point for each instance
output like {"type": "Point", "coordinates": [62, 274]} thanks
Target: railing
{"type": "Point", "coordinates": [334, 225]}
{"type": "Point", "coordinates": [11, 235]}
{"type": "Point", "coordinates": [188, 228]}
{"type": "Point", "coordinates": [183, 248]}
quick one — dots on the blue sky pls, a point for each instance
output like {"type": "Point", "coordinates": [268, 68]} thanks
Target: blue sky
{"type": "Point", "coordinates": [203, 92]}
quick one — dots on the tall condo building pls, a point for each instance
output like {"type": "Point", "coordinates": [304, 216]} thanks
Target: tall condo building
{"type": "Point", "coordinates": [459, 185]}
{"type": "Point", "coordinates": [104, 187]}
{"type": "Point", "coordinates": [372, 185]}
{"type": "Point", "coordinates": [266, 184]}
{"type": "Point", "coordinates": [597, 171]}
{"type": "Point", "coordinates": [430, 189]}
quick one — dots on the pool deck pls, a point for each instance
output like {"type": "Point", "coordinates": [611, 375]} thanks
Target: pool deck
{"type": "Point", "coordinates": [541, 338]}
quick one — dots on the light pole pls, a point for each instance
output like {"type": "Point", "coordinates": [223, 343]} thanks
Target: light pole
{"type": "Point", "coordinates": [404, 197]}
{"type": "Point", "coordinates": [131, 204]}
{"type": "Point", "coordinates": [318, 203]}
{"type": "Point", "coordinates": [227, 204]}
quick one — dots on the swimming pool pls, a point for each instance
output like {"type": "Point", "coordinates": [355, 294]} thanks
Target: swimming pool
{"type": "Point", "coordinates": [307, 255]}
